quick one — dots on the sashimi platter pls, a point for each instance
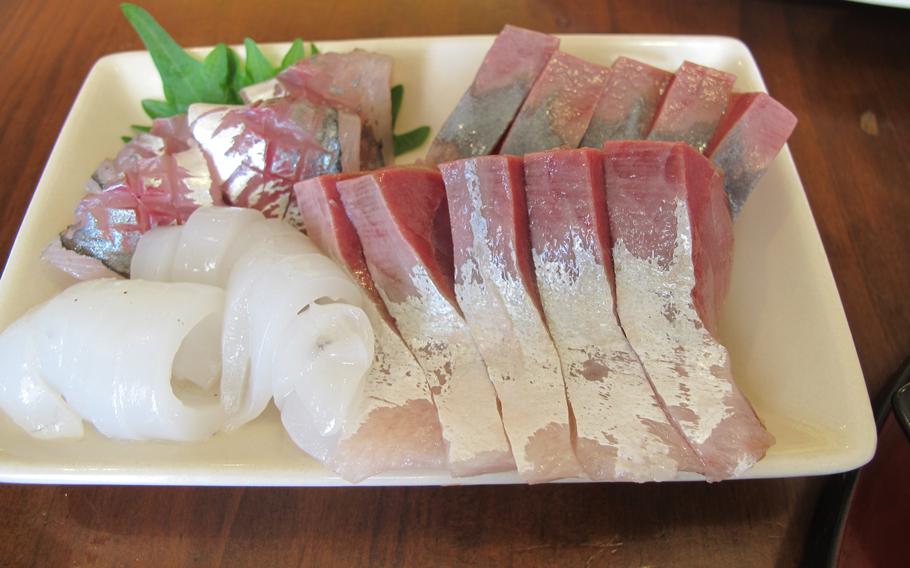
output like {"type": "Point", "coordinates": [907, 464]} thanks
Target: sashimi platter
{"type": "Point", "coordinates": [520, 258]}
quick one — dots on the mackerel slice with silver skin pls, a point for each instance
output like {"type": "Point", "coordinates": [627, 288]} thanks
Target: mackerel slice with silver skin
{"type": "Point", "coordinates": [672, 251]}
{"type": "Point", "coordinates": [559, 107]}
{"type": "Point", "coordinates": [401, 218]}
{"type": "Point", "coordinates": [396, 426]}
{"type": "Point", "coordinates": [622, 431]}
{"type": "Point", "coordinates": [751, 133]}
{"type": "Point", "coordinates": [495, 287]}
{"type": "Point", "coordinates": [503, 81]}
{"type": "Point", "coordinates": [358, 82]}
{"type": "Point", "coordinates": [630, 99]}
{"type": "Point", "coordinates": [692, 106]}
{"type": "Point", "coordinates": [144, 187]}
{"type": "Point", "coordinates": [259, 151]}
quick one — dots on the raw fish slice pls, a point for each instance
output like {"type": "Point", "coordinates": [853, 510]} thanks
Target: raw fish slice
{"type": "Point", "coordinates": [622, 431]}
{"type": "Point", "coordinates": [751, 133]}
{"type": "Point", "coordinates": [25, 396]}
{"type": "Point", "coordinates": [78, 266]}
{"type": "Point", "coordinates": [495, 287]}
{"type": "Point", "coordinates": [259, 152]}
{"type": "Point", "coordinates": [174, 132]}
{"type": "Point", "coordinates": [398, 427]}
{"type": "Point", "coordinates": [266, 292]}
{"type": "Point", "coordinates": [672, 248]}
{"type": "Point", "coordinates": [119, 350]}
{"type": "Point", "coordinates": [138, 194]}
{"type": "Point", "coordinates": [559, 107]}
{"type": "Point", "coordinates": [358, 82]}
{"type": "Point", "coordinates": [626, 109]}
{"type": "Point", "coordinates": [401, 218]}
{"type": "Point", "coordinates": [693, 105]}
{"type": "Point", "coordinates": [482, 116]}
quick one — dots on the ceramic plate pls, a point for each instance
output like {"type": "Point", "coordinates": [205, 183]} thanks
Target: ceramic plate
{"type": "Point", "coordinates": [784, 324]}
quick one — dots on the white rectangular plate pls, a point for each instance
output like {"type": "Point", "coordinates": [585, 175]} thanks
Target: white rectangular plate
{"type": "Point", "coordinates": [792, 351]}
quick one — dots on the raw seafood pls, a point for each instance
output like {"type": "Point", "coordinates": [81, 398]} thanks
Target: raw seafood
{"type": "Point", "coordinates": [622, 431]}
{"type": "Point", "coordinates": [142, 188]}
{"type": "Point", "coordinates": [495, 287]}
{"type": "Point", "coordinates": [401, 218]}
{"type": "Point", "coordinates": [693, 105]}
{"type": "Point", "coordinates": [559, 107]}
{"type": "Point", "coordinates": [626, 109]}
{"type": "Point", "coordinates": [358, 82]}
{"type": "Point", "coordinates": [397, 425]}
{"type": "Point", "coordinates": [672, 248]}
{"type": "Point", "coordinates": [258, 152]}
{"type": "Point", "coordinates": [502, 83]}
{"type": "Point", "coordinates": [105, 351]}
{"type": "Point", "coordinates": [77, 265]}
{"type": "Point", "coordinates": [751, 133]}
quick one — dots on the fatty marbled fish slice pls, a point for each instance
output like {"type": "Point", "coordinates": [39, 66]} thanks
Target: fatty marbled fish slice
{"type": "Point", "coordinates": [626, 109]}
{"type": "Point", "coordinates": [358, 82]}
{"type": "Point", "coordinates": [751, 133]}
{"type": "Point", "coordinates": [502, 83]}
{"type": "Point", "coordinates": [401, 218]}
{"type": "Point", "coordinates": [692, 106]}
{"type": "Point", "coordinates": [672, 251]}
{"type": "Point", "coordinates": [495, 287]}
{"type": "Point", "coordinates": [397, 426]}
{"type": "Point", "coordinates": [258, 152]}
{"type": "Point", "coordinates": [141, 189]}
{"type": "Point", "coordinates": [559, 107]}
{"type": "Point", "coordinates": [622, 431]}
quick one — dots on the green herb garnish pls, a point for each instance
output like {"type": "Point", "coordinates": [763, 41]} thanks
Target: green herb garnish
{"type": "Point", "coordinates": [219, 77]}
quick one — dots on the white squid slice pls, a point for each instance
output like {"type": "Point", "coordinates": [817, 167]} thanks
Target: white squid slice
{"type": "Point", "coordinates": [153, 258]}
{"type": "Point", "coordinates": [206, 239]}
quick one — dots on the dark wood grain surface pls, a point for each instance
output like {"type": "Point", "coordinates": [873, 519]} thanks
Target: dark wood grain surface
{"type": "Point", "coordinates": [843, 68]}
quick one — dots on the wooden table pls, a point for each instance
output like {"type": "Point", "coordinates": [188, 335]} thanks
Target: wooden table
{"type": "Point", "coordinates": [843, 68]}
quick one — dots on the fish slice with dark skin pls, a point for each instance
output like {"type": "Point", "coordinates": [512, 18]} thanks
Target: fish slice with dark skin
{"type": "Point", "coordinates": [503, 81]}
{"type": "Point", "coordinates": [398, 426]}
{"type": "Point", "coordinates": [495, 287]}
{"type": "Point", "coordinates": [693, 105]}
{"type": "Point", "coordinates": [626, 109]}
{"type": "Point", "coordinates": [559, 107]}
{"type": "Point", "coordinates": [623, 433]}
{"type": "Point", "coordinates": [401, 217]}
{"type": "Point", "coordinates": [672, 241]}
{"type": "Point", "coordinates": [749, 136]}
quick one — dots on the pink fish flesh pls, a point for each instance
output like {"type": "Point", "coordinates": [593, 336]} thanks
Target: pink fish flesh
{"type": "Point", "coordinates": [693, 105]}
{"type": "Point", "coordinates": [140, 189]}
{"type": "Point", "coordinates": [398, 427]}
{"type": "Point", "coordinates": [751, 133]}
{"type": "Point", "coordinates": [502, 83]}
{"type": "Point", "coordinates": [622, 430]}
{"type": "Point", "coordinates": [559, 107]}
{"type": "Point", "coordinates": [259, 151]}
{"type": "Point", "coordinates": [626, 109]}
{"type": "Point", "coordinates": [358, 82]}
{"type": "Point", "coordinates": [495, 287]}
{"type": "Point", "coordinates": [401, 218]}
{"type": "Point", "coordinates": [672, 248]}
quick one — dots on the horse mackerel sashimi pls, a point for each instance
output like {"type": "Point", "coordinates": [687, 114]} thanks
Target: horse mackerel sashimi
{"type": "Point", "coordinates": [401, 218]}
{"type": "Point", "coordinates": [622, 431]}
{"type": "Point", "coordinates": [495, 287]}
{"type": "Point", "coordinates": [559, 107]}
{"type": "Point", "coordinates": [398, 427]}
{"type": "Point", "coordinates": [672, 250]}
{"type": "Point", "coordinates": [503, 81]}
{"type": "Point", "coordinates": [626, 108]}
{"type": "Point", "coordinates": [749, 136]}
{"type": "Point", "coordinates": [692, 106]}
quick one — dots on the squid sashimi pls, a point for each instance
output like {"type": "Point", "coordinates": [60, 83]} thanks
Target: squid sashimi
{"type": "Point", "coordinates": [397, 426]}
{"type": "Point", "coordinates": [130, 356]}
